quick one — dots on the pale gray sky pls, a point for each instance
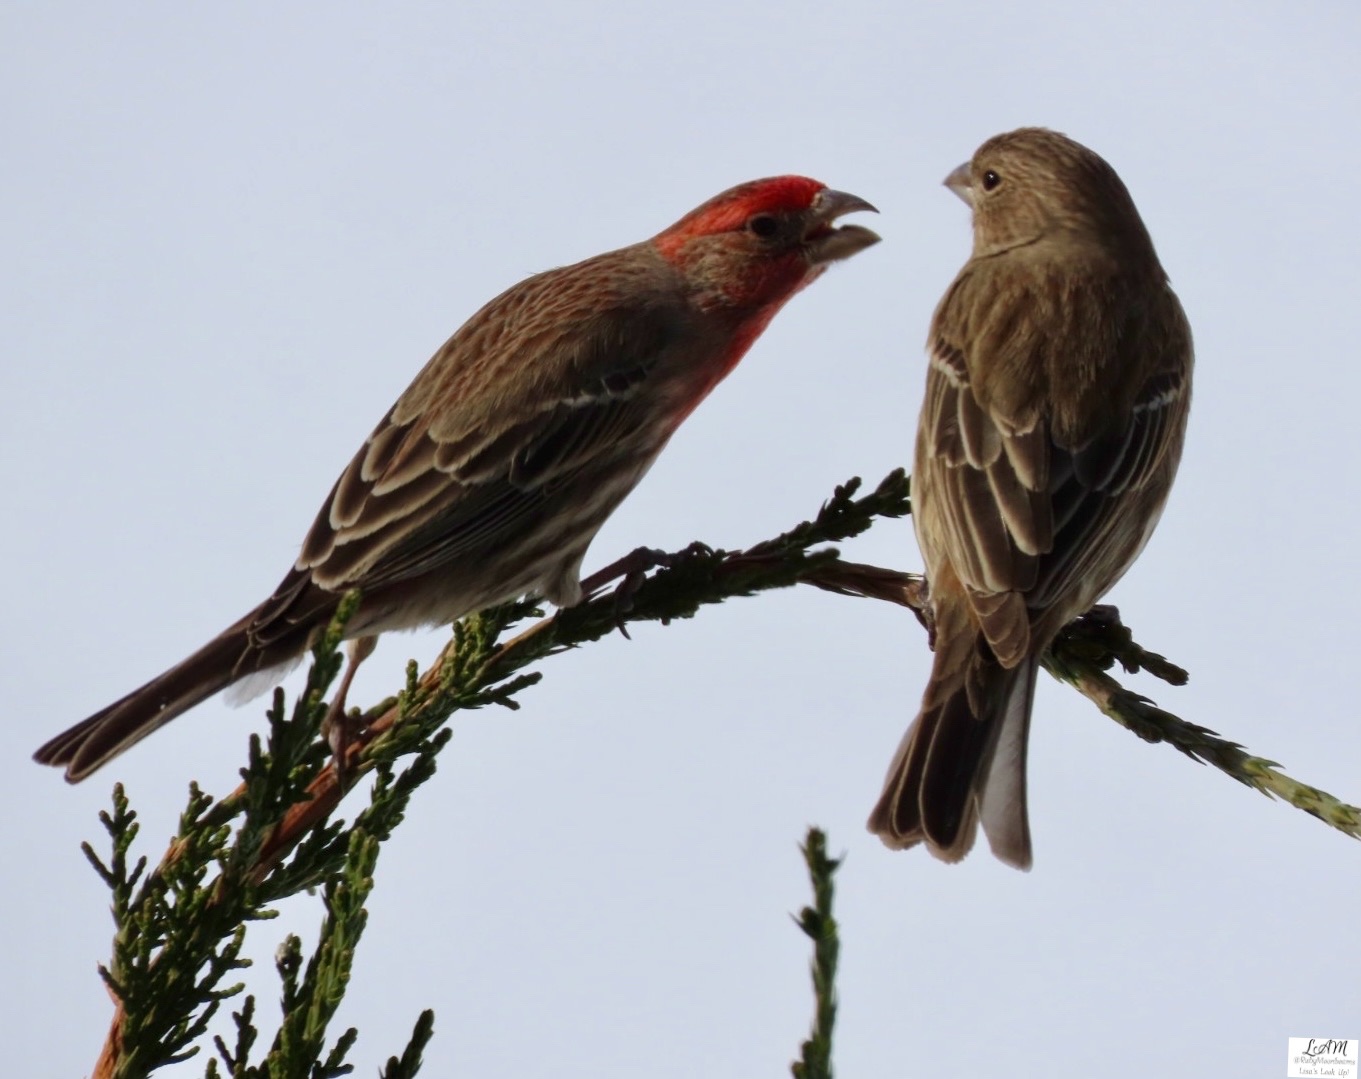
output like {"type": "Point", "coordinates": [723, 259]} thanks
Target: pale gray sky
{"type": "Point", "coordinates": [234, 235]}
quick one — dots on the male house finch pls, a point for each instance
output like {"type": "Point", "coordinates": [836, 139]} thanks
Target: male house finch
{"type": "Point", "coordinates": [1056, 402]}
{"type": "Point", "coordinates": [492, 473]}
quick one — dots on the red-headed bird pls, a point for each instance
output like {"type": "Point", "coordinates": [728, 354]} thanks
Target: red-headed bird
{"type": "Point", "coordinates": [1056, 402]}
{"type": "Point", "coordinates": [492, 473]}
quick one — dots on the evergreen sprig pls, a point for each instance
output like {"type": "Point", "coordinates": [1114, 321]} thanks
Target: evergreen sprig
{"type": "Point", "coordinates": [818, 923]}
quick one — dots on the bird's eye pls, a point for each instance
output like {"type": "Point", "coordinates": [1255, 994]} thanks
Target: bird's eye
{"type": "Point", "coordinates": [990, 180]}
{"type": "Point", "coordinates": [763, 225]}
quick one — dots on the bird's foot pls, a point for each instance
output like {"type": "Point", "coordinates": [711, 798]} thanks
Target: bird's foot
{"type": "Point", "coordinates": [631, 571]}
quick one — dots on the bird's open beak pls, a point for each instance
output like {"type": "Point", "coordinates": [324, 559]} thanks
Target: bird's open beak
{"type": "Point", "coordinates": [827, 243]}
{"type": "Point", "coordinates": [960, 183]}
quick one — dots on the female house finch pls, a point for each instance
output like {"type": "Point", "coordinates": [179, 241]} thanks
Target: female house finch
{"type": "Point", "coordinates": [492, 473]}
{"type": "Point", "coordinates": [1056, 402]}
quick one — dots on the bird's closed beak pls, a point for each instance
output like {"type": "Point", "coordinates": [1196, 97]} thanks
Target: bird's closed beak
{"type": "Point", "coordinates": [961, 183]}
{"type": "Point", "coordinates": [829, 244]}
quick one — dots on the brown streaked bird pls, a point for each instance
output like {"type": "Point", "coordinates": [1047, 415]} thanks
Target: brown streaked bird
{"type": "Point", "coordinates": [1056, 400]}
{"type": "Point", "coordinates": [492, 473]}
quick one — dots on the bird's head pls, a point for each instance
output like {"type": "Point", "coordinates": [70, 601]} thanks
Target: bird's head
{"type": "Point", "coordinates": [1032, 184]}
{"type": "Point", "coordinates": [760, 242]}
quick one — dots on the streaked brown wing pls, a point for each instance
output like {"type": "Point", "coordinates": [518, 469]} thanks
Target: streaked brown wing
{"type": "Point", "coordinates": [1104, 494]}
{"type": "Point", "coordinates": [973, 506]}
{"type": "Point", "coordinates": [450, 517]}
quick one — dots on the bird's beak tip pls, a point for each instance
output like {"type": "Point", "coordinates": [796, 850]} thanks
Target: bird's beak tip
{"type": "Point", "coordinates": [960, 183]}
{"type": "Point", "coordinates": [833, 204]}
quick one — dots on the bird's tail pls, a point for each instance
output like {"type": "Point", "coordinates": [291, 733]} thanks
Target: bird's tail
{"type": "Point", "coordinates": [225, 659]}
{"type": "Point", "coordinates": [964, 759]}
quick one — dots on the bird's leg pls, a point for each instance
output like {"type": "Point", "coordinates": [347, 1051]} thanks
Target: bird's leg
{"type": "Point", "coordinates": [632, 567]}
{"type": "Point", "coordinates": [337, 728]}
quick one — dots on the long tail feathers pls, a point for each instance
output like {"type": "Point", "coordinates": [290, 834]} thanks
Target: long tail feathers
{"type": "Point", "coordinates": [963, 761]}
{"type": "Point", "coordinates": [104, 735]}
